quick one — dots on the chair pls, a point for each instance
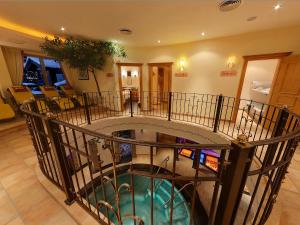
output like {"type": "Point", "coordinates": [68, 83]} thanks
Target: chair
{"type": "Point", "coordinates": [6, 112]}
{"type": "Point", "coordinates": [19, 94]}
{"type": "Point", "coordinates": [70, 92]}
{"type": "Point", "coordinates": [63, 103]}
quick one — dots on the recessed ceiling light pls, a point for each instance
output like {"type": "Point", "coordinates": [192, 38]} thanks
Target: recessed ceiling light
{"type": "Point", "coordinates": [203, 34]}
{"type": "Point", "coordinates": [62, 29]}
{"type": "Point", "coordinates": [251, 18]}
{"type": "Point", "coordinates": [158, 41]}
{"type": "Point", "coordinates": [277, 7]}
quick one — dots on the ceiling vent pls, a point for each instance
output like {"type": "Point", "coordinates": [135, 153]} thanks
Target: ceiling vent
{"type": "Point", "coordinates": [228, 5]}
{"type": "Point", "coordinates": [125, 31]}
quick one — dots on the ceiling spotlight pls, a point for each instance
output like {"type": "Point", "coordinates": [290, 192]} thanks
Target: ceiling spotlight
{"type": "Point", "coordinates": [277, 7]}
{"type": "Point", "coordinates": [158, 41]}
{"type": "Point", "coordinates": [62, 29]}
{"type": "Point", "coordinates": [203, 34]}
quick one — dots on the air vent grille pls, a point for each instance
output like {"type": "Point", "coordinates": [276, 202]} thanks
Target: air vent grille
{"type": "Point", "coordinates": [125, 31]}
{"type": "Point", "coordinates": [228, 5]}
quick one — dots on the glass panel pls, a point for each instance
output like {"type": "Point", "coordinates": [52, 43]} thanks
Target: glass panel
{"type": "Point", "coordinates": [54, 73]}
{"type": "Point", "coordinates": [32, 71]}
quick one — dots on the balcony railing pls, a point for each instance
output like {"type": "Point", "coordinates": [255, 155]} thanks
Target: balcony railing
{"type": "Point", "coordinates": [243, 190]}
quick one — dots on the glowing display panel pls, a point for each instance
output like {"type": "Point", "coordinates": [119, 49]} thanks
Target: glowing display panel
{"type": "Point", "coordinates": [186, 152]}
{"type": "Point", "coordinates": [211, 162]}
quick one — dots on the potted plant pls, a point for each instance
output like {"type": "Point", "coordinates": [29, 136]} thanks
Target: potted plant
{"type": "Point", "coordinates": [85, 55]}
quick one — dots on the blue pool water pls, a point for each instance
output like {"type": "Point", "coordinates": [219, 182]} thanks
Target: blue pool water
{"type": "Point", "coordinates": [142, 200]}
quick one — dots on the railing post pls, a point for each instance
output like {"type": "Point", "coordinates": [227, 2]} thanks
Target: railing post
{"type": "Point", "coordinates": [38, 123]}
{"type": "Point", "coordinates": [233, 182]}
{"type": "Point", "coordinates": [131, 107]}
{"type": "Point", "coordinates": [218, 112]}
{"type": "Point", "coordinates": [56, 141]}
{"type": "Point", "coordinates": [170, 106]}
{"type": "Point", "coordinates": [86, 108]}
{"type": "Point", "coordinates": [281, 120]}
{"type": "Point", "coordinates": [278, 130]}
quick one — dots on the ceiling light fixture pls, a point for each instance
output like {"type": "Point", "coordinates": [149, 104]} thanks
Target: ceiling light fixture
{"type": "Point", "coordinates": [277, 7]}
{"type": "Point", "coordinates": [203, 34]}
{"type": "Point", "coordinates": [158, 41]}
{"type": "Point", "coordinates": [62, 29]}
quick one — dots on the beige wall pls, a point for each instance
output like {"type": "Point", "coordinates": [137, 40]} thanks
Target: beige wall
{"type": "Point", "coordinates": [206, 59]}
{"type": "Point", "coordinates": [106, 83]}
{"type": "Point", "coordinates": [5, 80]}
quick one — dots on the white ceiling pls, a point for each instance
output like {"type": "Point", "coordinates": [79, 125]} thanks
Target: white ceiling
{"type": "Point", "coordinates": [171, 21]}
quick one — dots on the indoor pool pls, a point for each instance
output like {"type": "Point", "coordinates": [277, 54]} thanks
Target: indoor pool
{"type": "Point", "coordinates": [161, 213]}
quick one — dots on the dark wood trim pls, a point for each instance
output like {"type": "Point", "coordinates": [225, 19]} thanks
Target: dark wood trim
{"type": "Point", "coordinates": [161, 64]}
{"type": "Point", "coordinates": [267, 56]}
{"type": "Point", "coordinates": [130, 64]}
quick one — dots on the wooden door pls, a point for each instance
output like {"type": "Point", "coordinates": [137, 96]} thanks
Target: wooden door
{"type": "Point", "coordinates": [286, 88]}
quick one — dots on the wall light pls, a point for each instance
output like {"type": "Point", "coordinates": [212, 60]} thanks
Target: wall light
{"type": "Point", "coordinates": [135, 73]}
{"type": "Point", "coordinates": [277, 7]}
{"type": "Point", "coordinates": [182, 64]}
{"type": "Point", "coordinates": [124, 74]}
{"type": "Point", "coordinates": [231, 62]}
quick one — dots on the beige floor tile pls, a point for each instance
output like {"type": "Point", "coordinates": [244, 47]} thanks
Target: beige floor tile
{"type": "Point", "coordinates": [7, 209]}
{"type": "Point", "coordinates": [16, 221]}
{"type": "Point", "coordinates": [47, 212]}
{"type": "Point", "coordinates": [17, 177]}
{"type": "Point", "coordinates": [35, 194]}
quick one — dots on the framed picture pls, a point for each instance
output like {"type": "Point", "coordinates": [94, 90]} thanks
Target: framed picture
{"type": "Point", "coordinates": [83, 75]}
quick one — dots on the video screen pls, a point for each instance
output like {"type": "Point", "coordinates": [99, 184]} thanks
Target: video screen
{"type": "Point", "coordinates": [208, 157]}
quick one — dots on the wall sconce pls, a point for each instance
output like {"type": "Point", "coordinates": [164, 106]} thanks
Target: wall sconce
{"type": "Point", "coordinates": [124, 74]}
{"type": "Point", "coordinates": [135, 73]}
{"type": "Point", "coordinates": [231, 62]}
{"type": "Point", "coordinates": [182, 64]}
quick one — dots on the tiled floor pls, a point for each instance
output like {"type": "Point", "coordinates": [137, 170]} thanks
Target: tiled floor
{"type": "Point", "coordinates": [24, 200]}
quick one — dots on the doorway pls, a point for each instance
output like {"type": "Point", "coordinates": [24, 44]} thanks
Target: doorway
{"type": "Point", "coordinates": [257, 81]}
{"type": "Point", "coordinates": [160, 80]}
{"type": "Point", "coordinates": [130, 80]}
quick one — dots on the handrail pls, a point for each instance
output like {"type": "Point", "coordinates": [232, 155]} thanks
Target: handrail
{"type": "Point", "coordinates": [268, 140]}
{"type": "Point", "coordinates": [165, 160]}
{"type": "Point", "coordinates": [67, 136]}
{"type": "Point", "coordinates": [177, 193]}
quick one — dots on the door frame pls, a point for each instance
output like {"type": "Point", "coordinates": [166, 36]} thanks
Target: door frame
{"type": "Point", "coordinates": [150, 67]}
{"type": "Point", "coordinates": [140, 66]}
{"type": "Point", "coordinates": [249, 58]}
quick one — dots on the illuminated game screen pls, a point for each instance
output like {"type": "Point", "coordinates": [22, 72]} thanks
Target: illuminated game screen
{"type": "Point", "coordinates": [208, 157]}
{"type": "Point", "coordinates": [186, 152]}
{"type": "Point", "coordinates": [212, 162]}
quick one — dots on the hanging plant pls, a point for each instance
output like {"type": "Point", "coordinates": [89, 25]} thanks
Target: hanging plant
{"type": "Point", "coordinates": [85, 55]}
